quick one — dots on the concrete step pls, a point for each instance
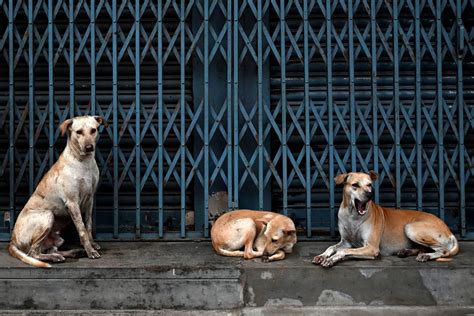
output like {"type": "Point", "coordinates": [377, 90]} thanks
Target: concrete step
{"type": "Point", "coordinates": [147, 276]}
{"type": "Point", "coordinates": [271, 311]}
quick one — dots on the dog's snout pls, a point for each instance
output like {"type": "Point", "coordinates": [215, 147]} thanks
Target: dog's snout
{"type": "Point", "coordinates": [89, 148]}
{"type": "Point", "coordinates": [369, 194]}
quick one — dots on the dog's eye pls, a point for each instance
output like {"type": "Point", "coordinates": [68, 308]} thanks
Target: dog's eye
{"type": "Point", "coordinates": [355, 185]}
{"type": "Point", "coordinates": [369, 185]}
{"type": "Point", "coordinates": [93, 131]}
{"type": "Point", "coordinates": [79, 132]}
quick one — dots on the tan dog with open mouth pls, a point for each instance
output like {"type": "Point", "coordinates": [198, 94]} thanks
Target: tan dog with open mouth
{"type": "Point", "coordinates": [64, 193]}
{"type": "Point", "coordinates": [261, 234]}
{"type": "Point", "coordinates": [368, 229]}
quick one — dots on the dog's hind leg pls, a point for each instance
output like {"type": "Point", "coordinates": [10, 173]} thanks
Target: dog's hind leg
{"type": "Point", "coordinates": [73, 253]}
{"type": "Point", "coordinates": [49, 257]}
{"type": "Point", "coordinates": [244, 235]}
{"type": "Point", "coordinates": [407, 252]}
{"type": "Point", "coordinates": [251, 241]}
{"type": "Point", "coordinates": [41, 239]}
{"type": "Point", "coordinates": [443, 243]}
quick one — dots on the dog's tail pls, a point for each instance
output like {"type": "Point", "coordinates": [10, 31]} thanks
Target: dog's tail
{"type": "Point", "coordinates": [453, 250]}
{"type": "Point", "coordinates": [17, 253]}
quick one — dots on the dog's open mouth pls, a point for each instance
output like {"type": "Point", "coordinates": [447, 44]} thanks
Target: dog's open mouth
{"type": "Point", "coordinates": [361, 206]}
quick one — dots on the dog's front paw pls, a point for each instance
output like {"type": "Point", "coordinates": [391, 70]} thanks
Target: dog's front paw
{"type": "Point", "coordinates": [423, 257]}
{"type": "Point", "coordinates": [327, 263]}
{"type": "Point", "coordinates": [318, 259]}
{"type": "Point", "coordinates": [92, 254]}
{"type": "Point", "coordinates": [57, 258]}
{"type": "Point", "coordinates": [95, 246]}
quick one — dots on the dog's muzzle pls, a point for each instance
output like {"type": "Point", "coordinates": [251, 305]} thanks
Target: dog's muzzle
{"type": "Point", "coordinates": [89, 148]}
{"type": "Point", "coordinates": [361, 207]}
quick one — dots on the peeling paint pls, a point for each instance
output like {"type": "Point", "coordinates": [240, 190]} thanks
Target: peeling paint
{"type": "Point", "coordinates": [251, 297]}
{"type": "Point", "coordinates": [336, 298]}
{"type": "Point", "coordinates": [266, 275]}
{"type": "Point", "coordinates": [283, 302]}
{"type": "Point", "coordinates": [377, 303]}
{"type": "Point", "coordinates": [368, 273]}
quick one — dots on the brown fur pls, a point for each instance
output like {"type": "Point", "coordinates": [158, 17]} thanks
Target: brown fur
{"type": "Point", "coordinates": [266, 234]}
{"type": "Point", "coordinates": [368, 229]}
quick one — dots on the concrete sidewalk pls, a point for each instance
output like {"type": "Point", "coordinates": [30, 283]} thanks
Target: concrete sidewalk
{"type": "Point", "coordinates": [190, 276]}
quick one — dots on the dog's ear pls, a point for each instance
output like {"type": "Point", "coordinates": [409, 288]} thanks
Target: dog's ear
{"type": "Point", "coordinates": [339, 179]}
{"type": "Point", "coordinates": [101, 120]}
{"type": "Point", "coordinates": [373, 175]}
{"type": "Point", "coordinates": [64, 127]}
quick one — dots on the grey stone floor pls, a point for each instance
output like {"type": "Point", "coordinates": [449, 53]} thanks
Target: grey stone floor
{"type": "Point", "coordinates": [189, 277]}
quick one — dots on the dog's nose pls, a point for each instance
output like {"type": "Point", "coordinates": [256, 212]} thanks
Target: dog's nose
{"type": "Point", "coordinates": [369, 194]}
{"type": "Point", "coordinates": [89, 148]}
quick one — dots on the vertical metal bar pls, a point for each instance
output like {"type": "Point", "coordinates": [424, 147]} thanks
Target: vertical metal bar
{"type": "Point", "coordinates": [71, 59]}
{"type": "Point", "coordinates": [284, 104]}
{"type": "Point", "coordinates": [229, 106]}
{"type": "Point", "coordinates": [160, 118]}
{"type": "Point", "coordinates": [11, 112]}
{"type": "Point", "coordinates": [206, 118]}
{"type": "Point", "coordinates": [93, 86]}
{"type": "Point", "coordinates": [260, 102]}
{"type": "Point", "coordinates": [115, 114]}
{"type": "Point", "coordinates": [419, 142]}
{"type": "Point", "coordinates": [138, 184]}
{"type": "Point", "coordinates": [330, 118]}
{"type": "Point", "coordinates": [236, 104]}
{"type": "Point", "coordinates": [50, 83]}
{"type": "Point", "coordinates": [93, 60]}
{"type": "Point", "coordinates": [306, 116]}
{"type": "Point", "coordinates": [352, 87]}
{"type": "Point", "coordinates": [396, 95]}
{"type": "Point", "coordinates": [460, 99]}
{"type": "Point", "coordinates": [182, 77]}
{"type": "Point", "coordinates": [31, 98]}
{"type": "Point", "coordinates": [439, 100]}
{"type": "Point", "coordinates": [373, 53]}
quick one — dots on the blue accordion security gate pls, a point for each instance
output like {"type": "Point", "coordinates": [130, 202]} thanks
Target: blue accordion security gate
{"type": "Point", "coordinates": [265, 100]}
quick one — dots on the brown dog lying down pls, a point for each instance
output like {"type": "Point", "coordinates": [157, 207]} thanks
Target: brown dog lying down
{"type": "Point", "coordinates": [63, 195]}
{"type": "Point", "coordinates": [368, 229]}
{"type": "Point", "coordinates": [261, 234]}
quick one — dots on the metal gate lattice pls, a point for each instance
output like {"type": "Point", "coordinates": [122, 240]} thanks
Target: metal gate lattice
{"type": "Point", "coordinates": [250, 98]}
